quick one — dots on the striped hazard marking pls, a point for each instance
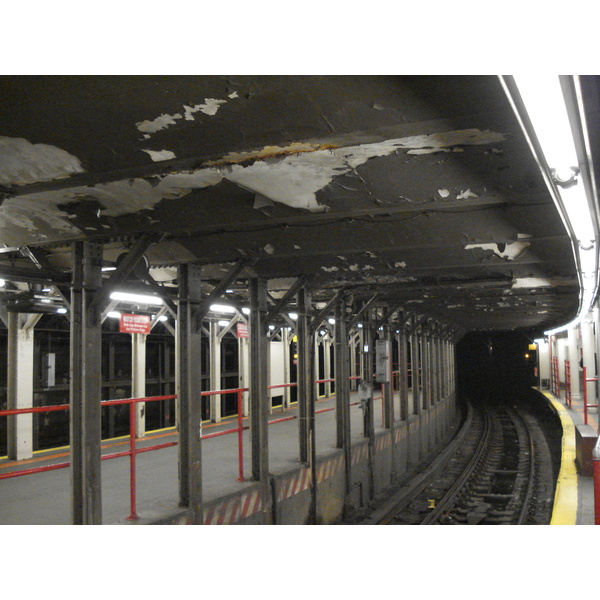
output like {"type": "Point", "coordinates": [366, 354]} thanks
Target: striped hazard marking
{"type": "Point", "coordinates": [240, 507]}
{"type": "Point", "coordinates": [234, 509]}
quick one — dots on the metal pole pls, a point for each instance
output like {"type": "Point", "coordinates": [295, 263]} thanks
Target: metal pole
{"type": "Point", "coordinates": [596, 461]}
{"type": "Point", "coordinates": [403, 374]}
{"type": "Point", "coordinates": [304, 371]}
{"type": "Point", "coordinates": [585, 400]}
{"type": "Point", "coordinates": [240, 424]}
{"type": "Point", "coordinates": [415, 368]}
{"type": "Point", "coordinates": [342, 390]}
{"type": "Point", "coordinates": [259, 394]}
{"type": "Point", "coordinates": [85, 365]}
{"type": "Point", "coordinates": [132, 463]}
{"type": "Point", "coordinates": [189, 387]}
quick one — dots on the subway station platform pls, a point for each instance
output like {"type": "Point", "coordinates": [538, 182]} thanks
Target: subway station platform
{"type": "Point", "coordinates": [574, 499]}
{"type": "Point", "coordinates": [44, 498]}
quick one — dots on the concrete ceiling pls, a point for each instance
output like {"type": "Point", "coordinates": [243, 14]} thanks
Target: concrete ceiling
{"type": "Point", "coordinates": [420, 189]}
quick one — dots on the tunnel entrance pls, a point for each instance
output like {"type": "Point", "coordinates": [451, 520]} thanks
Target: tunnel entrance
{"type": "Point", "coordinates": [491, 365]}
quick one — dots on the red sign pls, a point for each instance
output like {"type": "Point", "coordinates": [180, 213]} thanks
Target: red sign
{"type": "Point", "coordinates": [135, 324]}
{"type": "Point", "coordinates": [242, 330]}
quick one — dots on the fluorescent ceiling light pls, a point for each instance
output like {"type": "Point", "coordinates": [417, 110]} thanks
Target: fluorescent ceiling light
{"type": "Point", "coordinates": [544, 101]}
{"type": "Point", "coordinates": [223, 323]}
{"type": "Point", "coordinates": [546, 108]}
{"type": "Point", "coordinates": [222, 308]}
{"type": "Point", "coordinates": [136, 298]}
{"type": "Point", "coordinates": [113, 314]}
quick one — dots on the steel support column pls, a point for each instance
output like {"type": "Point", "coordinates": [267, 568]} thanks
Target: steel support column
{"type": "Point", "coordinates": [19, 389]}
{"type": "Point", "coordinates": [342, 390]}
{"type": "Point", "coordinates": [189, 386]}
{"type": "Point", "coordinates": [259, 393]}
{"type": "Point", "coordinates": [86, 389]}
{"type": "Point", "coordinates": [388, 392]}
{"type": "Point", "coordinates": [138, 381]}
{"type": "Point", "coordinates": [305, 371]}
{"type": "Point", "coordinates": [403, 373]}
{"type": "Point", "coordinates": [415, 365]}
{"type": "Point", "coordinates": [214, 344]}
{"type": "Point", "coordinates": [574, 357]}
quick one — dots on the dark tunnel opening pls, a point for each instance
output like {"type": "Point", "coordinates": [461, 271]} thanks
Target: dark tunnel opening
{"type": "Point", "coordinates": [495, 366]}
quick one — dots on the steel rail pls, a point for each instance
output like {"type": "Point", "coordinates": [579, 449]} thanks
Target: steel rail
{"type": "Point", "coordinates": [458, 486]}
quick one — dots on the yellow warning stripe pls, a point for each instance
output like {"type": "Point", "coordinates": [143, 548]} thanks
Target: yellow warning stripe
{"type": "Point", "coordinates": [564, 511]}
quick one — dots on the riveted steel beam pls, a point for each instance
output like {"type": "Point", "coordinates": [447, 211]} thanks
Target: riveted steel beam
{"type": "Point", "coordinates": [86, 385]}
{"type": "Point", "coordinates": [189, 387]}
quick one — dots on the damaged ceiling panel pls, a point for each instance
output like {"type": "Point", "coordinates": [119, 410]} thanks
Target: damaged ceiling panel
{"type": "Point", "coordinates": [422, 189]}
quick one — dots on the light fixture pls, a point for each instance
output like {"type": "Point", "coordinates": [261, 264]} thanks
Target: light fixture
{"type": "Point", "coordinates": [565, 178]}
{"type": "Point", "coordinates": [61, 311]}
{"type": "Point", "coordinates": [546, 107]}
{"type": "Point", "coordinates": [113, 314]}
{"type": "Point", "coordinates": [2, 282]}
{"type": "Point", "coordinates": [331, 321]}
{"type": "Point", "coordinates": [293, 316]}
{"type": "Point", "coordinates": [136, 298]}
{"type": "Point", "coordinates": [223, 323]}
{"type": "Point", "coordinates": [222, 308]}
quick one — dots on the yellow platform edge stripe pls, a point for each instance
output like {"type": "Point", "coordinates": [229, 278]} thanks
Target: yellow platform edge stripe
{"type": "Point", "coordinates": [564, 511]}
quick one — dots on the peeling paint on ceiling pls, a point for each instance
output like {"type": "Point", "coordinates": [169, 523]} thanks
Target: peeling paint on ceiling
{"type": "Point", "coordinates": [209, 107]}
{"type": "Point", "coordinates": [159, 155]}
{"type": "Point", "coordinates": [304, 176]}
{"type": "Point", "coordinates": [292, 180]}
{"type": "Point", "coordinates": [22, 162]}
{"type": "Point", "coordinates": [509, 251]}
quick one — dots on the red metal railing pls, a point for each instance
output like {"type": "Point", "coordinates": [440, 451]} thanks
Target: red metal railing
{"type": "Point", "coordinates": [134, 449]}
{"type": "Point", "coordinates": [568, 383]}
{"type": "Point", "coordinates": [596, 464]}
{"type": "Point", "coordinates": [585, 396]}
{"type": "Point", "coordinates": [132, 452]}
{"type": "Point", "coordinates": [555, 378]}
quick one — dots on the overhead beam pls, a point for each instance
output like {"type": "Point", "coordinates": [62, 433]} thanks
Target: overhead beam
{"type": "Point", "coordinates": [286, 299]}
{"type": "Point", "coordinates": [220, 288]}
{"type": "Point", "coordinates": [125, 268]}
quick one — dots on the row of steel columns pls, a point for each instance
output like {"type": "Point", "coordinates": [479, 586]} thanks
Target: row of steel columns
{"type": "Point", "coordinates": [429, 382]}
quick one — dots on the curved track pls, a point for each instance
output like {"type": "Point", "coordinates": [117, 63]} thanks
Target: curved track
{"type": "Point", "coordinates": [492, 473]}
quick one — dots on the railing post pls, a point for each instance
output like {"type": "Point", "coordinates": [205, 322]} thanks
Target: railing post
{"type": "Point", "coordinates": [568, 383]}
{"type": "Point", "coordinates": [240, 393]}
{"type": "Point", "coordinates": [596, 462]}
{"type": "Point", "coordinates": [585, 405]}
{"type": "Point", "coordinates": [132, 462]}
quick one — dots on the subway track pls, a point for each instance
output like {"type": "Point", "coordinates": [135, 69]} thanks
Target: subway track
{"type": "Point", "coordinates": [497, 470]}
